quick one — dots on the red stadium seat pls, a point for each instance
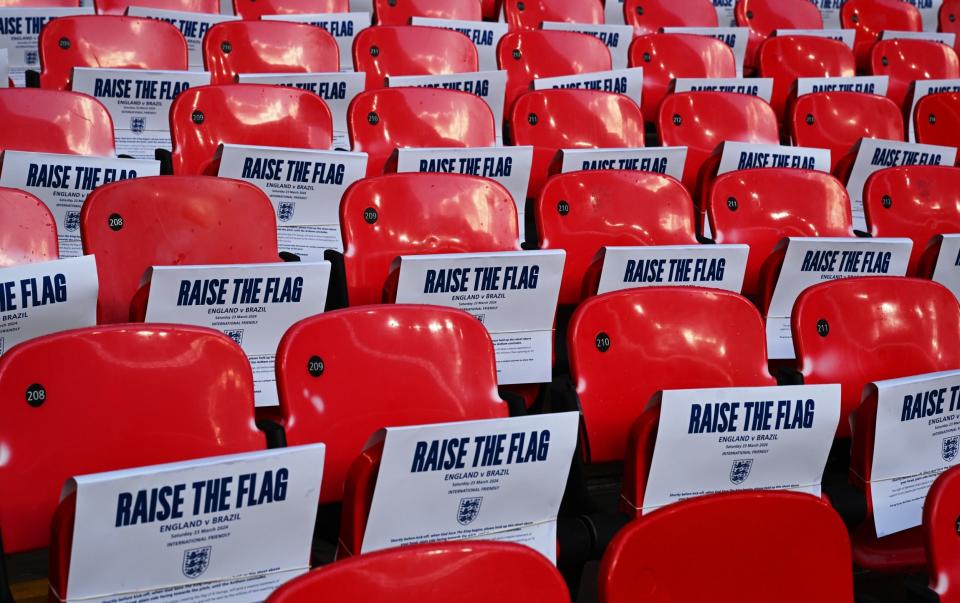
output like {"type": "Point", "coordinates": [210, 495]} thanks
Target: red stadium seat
{"type": "Point", "coordinates": [870, 17]}
{"type": "Point", "coordinates": [433, 573]}
{"type": "Point", "coordinates": [905, 61]}
{"type": "Point", "coordinates": [398, 12]}
{"type": "Point", "coordinates": [940, 512]}
{"type": "Point", "coordinates": [419, 364]}
{"type": "Point", "coordinates": [407, 214]}
{"type": "Point", "coordinates": [202, 118]}
{"type": "Point", "coordinates": [28, 231]}
{"type": "Point", "coordinates": [409, 50]}
{"type": "Point", "coordinates": [701, 121]}
{"type": "Point", "coordinates": [171, 220]}
{"type": "Point", "coordinates": [580, 212]}
{"type": "Point", "coordinates": [252, 10]}
{"type": "Point", "coordinates": [786, 58]}
{"type": "Point", "coordinates": [918, 202]}
{"type": "Point", "coordinates": [530, 14]}
{"type": "Point", "coordinates": [692, 551]}
{"type": "Point", "coordinates": [381, 121]}
{"type": "Point", "coordinates": [858, 330]}
{"type": "Point", "coordinates": [838, 120]}
{"type": "Point", "coordinates": [109, 41]}
{"type": "Point", "coordinates": [949, 13]}
{"type": "Point", "coordinates": [530, 55]}
{"type": "Point", "coordinates": [936, 119]}
{"type": "Point", "coordinates": [759, 207]}
{"type": "Point", "coordinates": [666, 57]}
{"type": "Point", "coordinates": [128, 397]}
{"type": "Point", "coordinates": [119, 7]}
{"type": "Point", "coordinates": [551, 120]}
{"type": "Point", "coordinates": [764, 17]}
{"type": "Point", "coordinates": [649, 16]}
{"type": "Point", "coordinates": [234, 47]}
{"type": "Point", "coordinates": [46, 121]}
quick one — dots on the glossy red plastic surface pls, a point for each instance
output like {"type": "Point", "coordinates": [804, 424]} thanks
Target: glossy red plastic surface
{"type": "Point", "coordinates": [786, 58]}
{"type": "Point", "coordinates": [433, 573]}
{"type": "Point", "coordinates": [763, 17]}
{"type": "Point", "coordinates": [399, 12]}
{"type": "Point", "coordinates": [244, 114]}
{"type": "Point", "coordinates": [530, 14]}
{"type": "Point", "coordinates": [940, 512]}
{"type": "Point", "coordinates": [774, 203]}
{"type": "Point", "coordinates": [119, 7]}
{"type": "Point", "coordinates": [48, 121]}
{"type": "Point", "coordinates": [410, 50]}
{"type": "Point", "coordinates": [936, 119]}
{"type": "Point", "coordinates": [688, 551]}
{"type": "Point", "coordinates": [905, 61]}
{"type": "Point", "coordinates": [254, 9]}
{"type": "Point", "coordinates": [666, 57]}
{"type": "Point", "coordinates": [838, 120]}
{"type": "Point", "coordinates": [172, 220]}
{"type": "Point", "coordinates": [675, 337]}
{"type": "Point", "coordinates": [419, 364]}
{"type": "Point", "coordinates": [648, 16]}
{"type": "Point", "coordinates": [879, 328]}
{"type": "Point", "coordinates": [703, 120]}
{"type": "Point", "coordinates": [529, 55]}
{"type": "Point", "coordinates": [609, 208]}
{"type": "Point", "coordinates": [381, 121]}
{"type": "Point", "coordinates": [129, 396]}
{"type": "Point", "coordinates": [109, 41]}
{"type": "Point", "coordinates": [234, 47]}
{"type": "Point", "coordinates": [950, 16]}
{"type": "Point", "coordinates": [28, 231]}
{"type": "Point", "coordinates": [870, 17]}
{"type": "Point", "coordinates": [416, 214]}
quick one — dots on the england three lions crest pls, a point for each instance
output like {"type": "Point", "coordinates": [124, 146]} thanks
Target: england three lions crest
{"type": "Point", "coordinates": [196, 561]}
{"type": "Point", "coordinates": [138, 124]}
{"type": "Point", "coordinates": [235, 334]}
{"type": "Point", "coordinates": [468, 510]}
{"type": "Point", "coordinates": [285, 210]}
{"type": "Point", "coordinates": [950, 447]}
{"type": "Point", "coordinates": [71, 221]}
{"type": "Point", "coordinates": [740, 471]}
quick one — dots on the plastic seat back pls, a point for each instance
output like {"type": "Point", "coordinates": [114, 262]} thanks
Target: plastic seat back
{"type": "Point", "coordinates": [433, 573]}
{"type": "Point", "coordinates": [940, 512]}
{"type": "Point", "coordinates": [119, 7]}
{"type": "Point", "coordinates": [416, 364]}
{"type": "Point", "coordinates": [701, 121]}
{"type": "Point", "coordinates": [905, 61]}
{"type": "Point", "coordinates": [871, 17]}
{"type": "Point", "coordinates": [936, 119]}
{"type": "Point", "coordinates": [858, 330]}
{"type": "Point", "coordinates": [387, 50]}
{"type": "Point", "coordinates": [759, 207]}
{"type": "Point", "coordinates": [252, 10]}
{"type": "Point", "coordinates": [838, 120]}
{"type": "Point", "coordinates": [764, 17]}
{"type": "Point", "coordinates": [649, 16]}
{"type": "Point", "coordinates": [580, 212]}
{"type": "Point", "coordinates": [28, 231]}
{"type": "Point", "coordinates": [786, 58]}
{"type": "Point", "coordinates": [46, 121]}
{"type": "Point", "coordinates": [687, 551]}
{"type": "Point", "coordinates": [674, 337]}
{"type": "Point", "coordinates": [381, 121]}
{"type": "Point", "coordinates": [407, 214]}
{"type": "Point", "coordinates": [918, 202]}
{"type": "Point", "coordinates": [109, 41]}
{"type": "Point", "coordinates": [202, 118]}
{"type": "Point", "coordinates": [530, 14]}
{"type": "Point", "coordinates": [666, 57]}
{"type": "Point", "coordinates": [169, 221]}
{"type": "Point", "coordinates": [950, 16]}
{"type": "Point", "coordinates": [529, 55]}
{"type": "Point", "coordinates": [130, 395]}
{"type": "Point", "coordinates": [234, 47]}
{"type": "Point", "coordinates": [399, 12]}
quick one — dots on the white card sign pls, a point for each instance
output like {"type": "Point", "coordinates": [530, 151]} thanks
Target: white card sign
{"type": "Point", "coordinates": [725, 12]}
{"type": "Point", "coordinates": [40, 298]}
{"type": "Point", "coordinates": [867, 84]}
{"type": "Point", "coordinates": [484, 35]}
{"type": "Point", "coordinates": [830, 11]}
{"type": "Point", "coordinates": [4, 68]}
{"type": "Point", "coordinates": [760, 87]}
{"type": "Point", "coordinates": [193, 26]}
{"type": "Point", "coordinates": [714, 266]}
{"type": "Point", "coordinates": [613, 12]}
{"type": "Point", "coordinates": [947, 270]}
{"type": "Point", "coordinates": [669, 161]}
{"type": "Point", "coordinates": [840, 35]}
{"type": "Point", "coordinates": [929, 35]}
{"type": "Point", "coordinates": [496, 479]}
{"type": "Point", "coordinates": [917, 438]}
{"type": "Point", "coordinates": [734, 37]}
{"type": "Point", "coordinates": [745, 438]}
{"type": "Point", "coordinates": [63, 182]}
{"type": "Point", "coordinates": [253, 304]}
{"type": "Point", "coordinates": [344, 27]}
{"type": "Point", "coordinates": [20, 32]}
{"type": "Point", "coordinates": [616, 37]}
{"type": "Point", "coordinates": [221, 528]}
{"type": "Point", "coordinates": [874, 154]}
{"type": "Point", "coordinates": [812, 260]}
{"type": "Point", "coordinates": [628, 82]}
{"type": "Point", "coordinates": [923, 88]}
{"type": "Point", "coordinates": [513, 293]}
{"type": "Point", "coordinates": [748, 156]}
{"type": "Point", "coordinates": [305, 187]}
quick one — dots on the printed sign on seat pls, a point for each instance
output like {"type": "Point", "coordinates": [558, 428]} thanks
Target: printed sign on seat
{"type": "Point", "coordinates": [28, 231]}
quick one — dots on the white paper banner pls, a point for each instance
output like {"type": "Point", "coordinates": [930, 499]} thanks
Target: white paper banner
{"type": "Point", "coordinates": [868, 84]}
{"type": "Point", "coordinates": [193, 26]}
{"type": "Point", "coordinates": [743, 438]}
{"type": "Point", "coordinates": [498, 479]}
{"type": "Point", "coordinates": [714, 266]}
{"type": "Point", "coordinates": [947, 270]}
{"type": "Point", "coordinates": [662, 160]}
{"type": "Point", "coordinates": [221, 528]}
{"type": "Point", "coordinates": [923, 88]}
{"type": "Point", "coordinates": [483, 34]}
{"type": "Point", "coordinates": [830, 11]}
{"type": "Point", "coordinates": [63, 182]}
{"type": "Point", "coordinates": [761, 87]}
{"type": "Point", "coordinates": [613, 12]}
{"type": "Point", "coordinates": [747, 156]}
{"type": "Point", "coordinates": [628, 82]}
{"type": "Point", "coordinates": [725, 14]}
{"type": "Point", "coordinates": [931, 36]}
{"type": "Point", "coordinates": [19, 32]}
{"type": "Point", "coordinates": [734, 37]}
{"type": "Point", "coordinates": [841, 35]}
{"type": "Point", "coordinates": [4, 68]}
{"type": "Point", "coordinates": [514, 294]}
{"type": "Point", "coordinates": [616, 37]}
{"type": "Point", "coordinates": [344, 27]}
